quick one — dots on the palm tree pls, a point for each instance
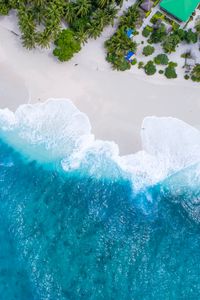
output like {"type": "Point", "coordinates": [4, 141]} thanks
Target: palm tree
{"type": "Point", "coordinates": [38, 2]}
{"type": "Point", "coordinates": [70, 12]}
{"type": "Point", "coordinates": [28, 40]}
{"type": "Point", "coordinates": [44, 38]}
{"type": "Point", "coordinates": [94, 30]}
{"type": "Point", "coordinates": [38, 13]}
{"type": "Point", "coordinates": [14, 4]}
{"type": "Point", "coordinates": [27, 27]}
{"type": "Point", "coordinates": [104, 3]}
{"type": "Point", "coordinates": [111, 13]}
{"type": "Point", "coordinates": [82, 36]}
{"type": "Point", "coordinates": [82, 7]}
{"type": "Point", "coordinates": [99, 18]}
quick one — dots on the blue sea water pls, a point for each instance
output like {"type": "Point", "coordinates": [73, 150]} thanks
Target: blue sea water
{"type": "Point", "coordinates": [82, 226]}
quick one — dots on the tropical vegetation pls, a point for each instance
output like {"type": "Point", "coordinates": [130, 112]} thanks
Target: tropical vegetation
{"type": "Point", "coordinates": [158, 34]}
{"type": "Point", "coordinates": [195, 74]}
{"type": "Point", "coordinates": [161, 59]}
{"type": "Point", "coordinates": [120, 44]}
{"type": "Point", "coordinates": [148, 50]}
{"type": "Point", "coordinates": [170, 71]}
{"type": "Point", "coordinates": [146, 31]}
{"type": "Point", "coordinates": [150, 68]}
{"type": "Point", "coordinates": [41, 22]}
{"type": "Point", "coordinates": [66, 45]}
{"type": "Point", "coordinates": [68, 24]}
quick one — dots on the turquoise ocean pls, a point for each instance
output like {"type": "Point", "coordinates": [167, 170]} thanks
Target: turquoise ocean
{"type": "Point", "coordinates": [79, 221]}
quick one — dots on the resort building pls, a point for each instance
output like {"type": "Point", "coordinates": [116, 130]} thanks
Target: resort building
{"type": "Point", "coordinates": [179, 9]}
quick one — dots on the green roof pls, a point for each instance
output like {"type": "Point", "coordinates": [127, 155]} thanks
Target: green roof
{"type": "Point", "coordinates": [180, 9]}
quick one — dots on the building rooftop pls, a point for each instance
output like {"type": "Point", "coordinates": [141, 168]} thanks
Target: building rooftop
{"type": "Point", "coordinates": [146, 5]}
{"type": "Point", "coordinates": [180, 9]}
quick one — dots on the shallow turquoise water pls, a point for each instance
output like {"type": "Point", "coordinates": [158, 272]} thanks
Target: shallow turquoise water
{"type": "Point", "coordinates": [80, 222]}
{"type": "Point", "coordinates": [76, 236]}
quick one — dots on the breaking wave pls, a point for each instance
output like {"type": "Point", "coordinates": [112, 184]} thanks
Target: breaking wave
{"type": "Point", "coordinates": [79, 221]}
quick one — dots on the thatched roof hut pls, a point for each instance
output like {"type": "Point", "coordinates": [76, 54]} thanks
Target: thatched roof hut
{"type": "Point", "coordinates": [146, 5]}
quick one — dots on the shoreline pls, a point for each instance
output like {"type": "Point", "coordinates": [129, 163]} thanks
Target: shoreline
{"type": "Point", "coordinates": [115, 102]}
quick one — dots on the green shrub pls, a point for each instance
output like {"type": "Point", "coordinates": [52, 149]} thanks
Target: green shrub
{"type": "Point", "coordinates": [195, 74]}
{"type": "Point", "coordinates": [122, 65]}
{"type": "Point", "coordinates": [175, 26]}
{"type": "Point", "coordinates": [80, 24]}
{"type": "Point", "coordinates": [160, 71]}
{"type": "Point", "coordinates": [158, 15]}
{"type": "Point", "coordinates": [134, 62]}
{"type": "Point", "coordinates": [118, 62]}
{"type": "Point", "coordinates": [158, 35]}
{"type": "Point", "coordinates": [140, 65]}
{"type": "Point", "coordinates": [150, 68]}
{"type": "Point", "coordinates": [191, 37]}
{"type": "Point", "coordinates": [66, 45]}
{"type": "Point", "coordinates": [170, 72]}
{"type": "Point", "coordinates": [181, 33]}
{"type": "Point", "coordinates": [161, 59]}
{"type": "Point", "coordinates": [171, 42]}
{"type": "Point", "coordinates": [147, 14]}
{"type": "Point", "coordinates": [148, 50]}
{"type": "Point", "coordinates": [172, 64]}
{"type": "Point", "coordinates": [186, 77]}
{"type": "Point", "coordinates": [146, 31]}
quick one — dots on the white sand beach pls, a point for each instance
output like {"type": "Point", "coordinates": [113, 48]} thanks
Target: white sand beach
{"type": "Point", "coordinates": [115, 102]}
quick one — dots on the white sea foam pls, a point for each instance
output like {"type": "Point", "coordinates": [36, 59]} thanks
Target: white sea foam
{"type": "Point", "coordinates": [47, 131]}
{"type": "Point", "coordinates": [57, 131]}
{"type": "Point", "coordinates": [169, 145]}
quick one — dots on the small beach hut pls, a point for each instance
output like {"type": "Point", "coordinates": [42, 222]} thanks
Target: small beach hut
{"type": "Point", "coordinates": [146, 5]}
{"type": "Point", "coordinates": [130, 56]}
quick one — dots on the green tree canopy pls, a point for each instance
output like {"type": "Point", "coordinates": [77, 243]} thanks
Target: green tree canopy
{"type": "Point", "coordinates": [158, 35]}
{"type": "Point", "coordinates": [150, 68]}
{"type": "Point", "coordinates": [170, 72]}
{"type": "Point", "coordinates": [146, 31]}
{"type": "Point", "coordinates": [67, 45]}
{"type": "Point", "coordinates": [161, 59]}
{"type": "Point", "coordinates": [148, 50]}
{"type": "Point", "coordinates": [191, 37]}
{"type": "Point", "coordinates": [170, 43]}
